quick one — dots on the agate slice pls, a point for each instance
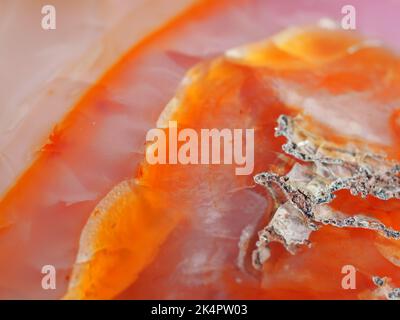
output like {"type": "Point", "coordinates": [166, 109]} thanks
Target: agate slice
{"type": "Point", "coordinates": [323, 196]}
{"type": "Point", "coordinates": [332, 191]}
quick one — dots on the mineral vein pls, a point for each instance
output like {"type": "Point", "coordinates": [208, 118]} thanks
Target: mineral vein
{"type": "Point", "coordinates": [385, 289]}
{"type": "Point", "coordinates": [310, 186]}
